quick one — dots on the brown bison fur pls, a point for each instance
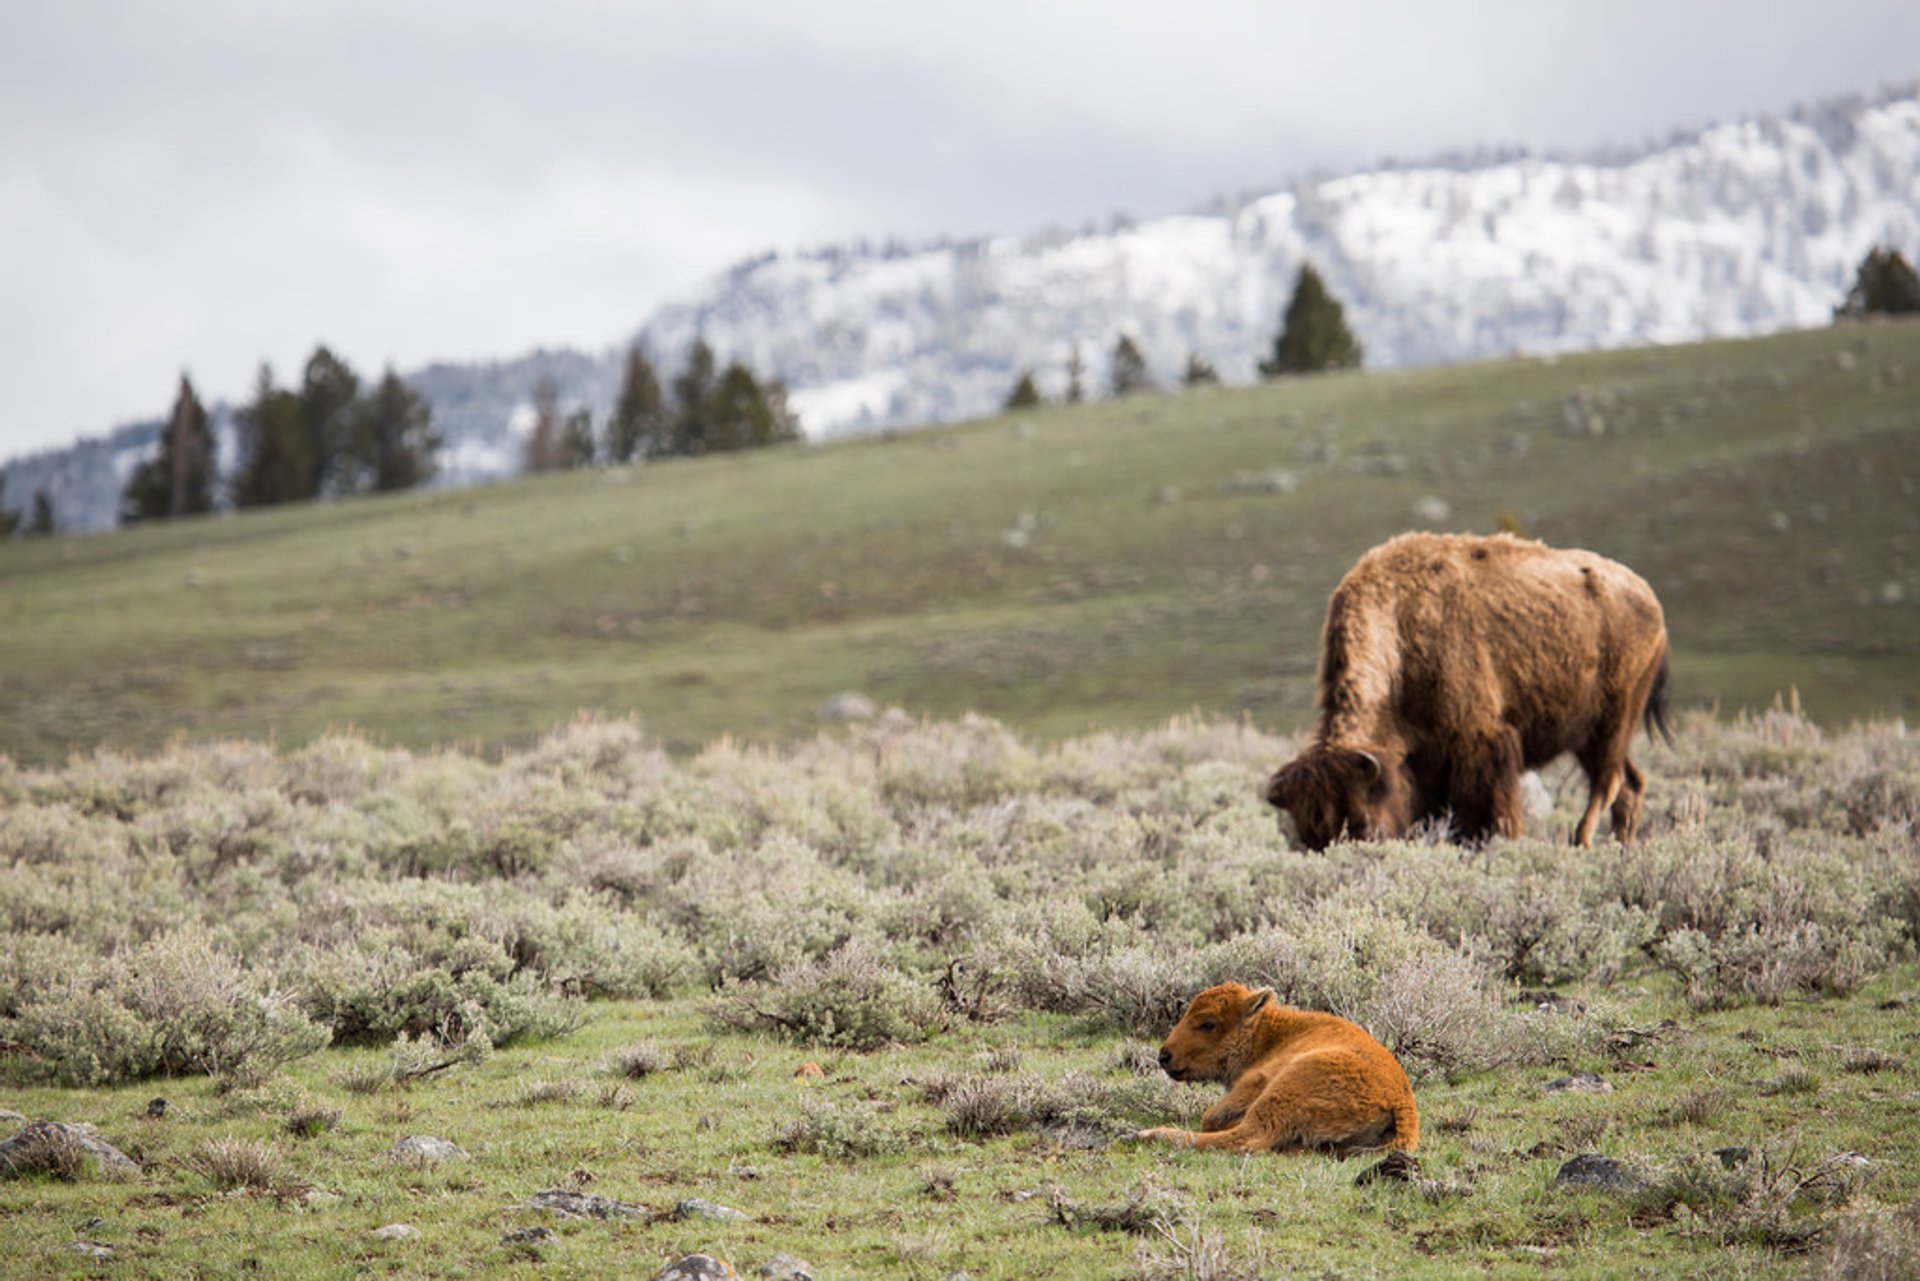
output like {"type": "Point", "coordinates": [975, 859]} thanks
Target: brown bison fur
{"type": "Point", "coordinates": [1296, 1080]}
{"type": "Point", "coordinates": [1450, 664]}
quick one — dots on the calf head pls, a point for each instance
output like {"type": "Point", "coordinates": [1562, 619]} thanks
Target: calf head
{"type": "Point", "coordinates": [1342, 793]}
{"type": "Point", "coordinates": [1212, 1039]}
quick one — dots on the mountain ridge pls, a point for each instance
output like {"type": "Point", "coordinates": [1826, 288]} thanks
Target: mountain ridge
{"type": "Point", "coordinates": [1722, 231]}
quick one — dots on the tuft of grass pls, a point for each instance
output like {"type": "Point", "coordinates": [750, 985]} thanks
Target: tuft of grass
{"type": "Point", "coordinates": [238, 1163]}
{"type": "Point", "coordinates": [308, 1120]}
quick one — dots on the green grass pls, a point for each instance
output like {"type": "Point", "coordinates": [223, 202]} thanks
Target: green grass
{"type": "Point", "coordinates": [1493, 1143]}
{"type": "Point", "coordinates": [1769, 490]}
{"type": "Point", "coordinates": [711, 1130]}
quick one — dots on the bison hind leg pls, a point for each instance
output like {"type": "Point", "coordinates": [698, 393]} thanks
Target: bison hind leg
{"type": "Point", "coordinates": [1368, 1138]}
{"type": "Point", "coordinates": [1627, 805]}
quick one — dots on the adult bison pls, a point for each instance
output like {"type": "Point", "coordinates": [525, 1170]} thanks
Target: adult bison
{"type": "Point", "coordinates": [1450, 663]}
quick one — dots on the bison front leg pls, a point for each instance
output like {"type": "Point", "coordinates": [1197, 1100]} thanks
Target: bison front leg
{"type": "Point", "coordinates": [1484, 789]}
{"type": "Point", "coordinates": [1231, 1106]}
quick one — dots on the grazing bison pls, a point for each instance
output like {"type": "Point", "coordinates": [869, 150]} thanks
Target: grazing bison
{"type": "Point", "coordinates": [1296, 1080]}
{"type": "Point", "coordinates": [1451, 663]}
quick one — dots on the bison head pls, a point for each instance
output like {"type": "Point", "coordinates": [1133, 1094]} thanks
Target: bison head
{"type": "Point", "coordinates": [1335, 793]}
{"type": "Point", "coordinates": [1211, 1040]}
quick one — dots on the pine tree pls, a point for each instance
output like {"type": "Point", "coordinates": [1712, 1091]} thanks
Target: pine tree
{"type": "Point", "coordinates": [329, 390]}
{"type": "Point", "coordinates": [693, 402]}
{"type": "Point", "coordinates": [178, 480]}
{"type": "Point", "coordinates": [9, 520]}
{"type": "Point", "coordinates": [1129, 374]}
{"type": "Point", "coordinates": [1199, 372]}
{"type": "Point", "coordinates": [576, 439]}
{"type": "Point", "coordinates": [543, 443]}
{"type": "Point", "coordinates": [1025, 394]}
{"type": "Point", "coordinates": [639, 426]}
{"type": "Point", "coordinates": [1886, 285]}
{"type": "Point", "coordinates": [394, 445]}
{"type": "Point", "coordinates": [1314, 334]}
{"type": "Point", "coordinates": [274, 464]}
{"type": "Point", "coordinates": [42, 524]}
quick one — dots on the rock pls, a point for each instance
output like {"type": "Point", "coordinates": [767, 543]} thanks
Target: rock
{"type": "Point", "coordinates": [156, 1108]}
{"type": "Point", "coordinates": [1432, 510]}
{"type": "Point", "coordinates": [424, 1149]}
{"type": "Point", "coordinates": [530, 1237]}
{"type": "Point", "coordinates": [848, 705]}
{"type": "Point", "coordinates": [1534, 796]}
{"type": "Point", "coordinates": [585, 1205]}
{"type": "Point", "coordinates": [1554, 1003]}
{"type": "Point", "coordinates": [698, 1267]}
{"type": "Point", "coordinates": [6, 1116]}
{"type": "Point", "coordinates": [1580, 1083]}
{"type": "Point", "coordinates": [54, 1147]}
{"type": "Point", "coordinates": [695, 1208]}
{"type": "Point", "coordinates": [98, 1251]}
{"type": "Point", "coordinates": [396, 1232]}
{"type": "Point", "coordinates": [784, 1267]}
{"type": "Point", "coordinates": [1592, 1170]}
{"type": "Point", "coordinates": [1731, 1157]}
{"type": "Point", "coordinates": [1395, 1167]}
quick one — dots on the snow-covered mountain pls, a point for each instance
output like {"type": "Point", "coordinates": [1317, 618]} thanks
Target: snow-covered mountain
{"type": "Point", "coordinates": [1735, 229]}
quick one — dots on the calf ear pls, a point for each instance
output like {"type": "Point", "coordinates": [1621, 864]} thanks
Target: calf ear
{"type": "Point", "coordinates": [1256, 1001]}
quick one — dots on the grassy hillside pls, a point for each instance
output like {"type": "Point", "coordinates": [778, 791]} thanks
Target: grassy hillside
{"type": "Point", "coordinates": [1103, 565]}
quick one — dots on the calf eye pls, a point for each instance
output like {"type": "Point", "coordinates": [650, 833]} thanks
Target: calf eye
{"type": "Point", "coordinates": [1209, 1026]}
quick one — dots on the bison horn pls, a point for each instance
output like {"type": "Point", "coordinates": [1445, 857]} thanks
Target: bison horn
{"type": "Point", "coordinates": [1372, 762]}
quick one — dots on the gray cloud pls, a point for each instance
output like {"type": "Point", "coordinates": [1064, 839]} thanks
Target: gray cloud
{"type": "Point", "coordinates": [209, 183]}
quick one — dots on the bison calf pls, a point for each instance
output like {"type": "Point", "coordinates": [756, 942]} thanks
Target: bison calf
{"type": "Point", "coordinates": [1296, 1080]}
{"type": "Point", "coordinates": [1450, 664]}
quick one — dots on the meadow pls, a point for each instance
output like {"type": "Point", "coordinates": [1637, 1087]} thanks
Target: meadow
{"type": "Point", "coordinates": [1064, 570]}
{"type": "Point", "coordinates": [510, 817]}
{"type": "Point", "coordinates": [892, 993]}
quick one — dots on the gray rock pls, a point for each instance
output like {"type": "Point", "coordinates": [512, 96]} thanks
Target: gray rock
{"type": "Point", "coordinates": [396, 1232]}
{"type": "Point", "coordinates": [1554, 1003]}
{"type": "Point", "coordinates": [15, 1117]}
{"type": "Point", "coordinates": [695, 1208]}
{"type": "Point", "coordinates": [98, 1251]}
{"type": "Point", "coordinates": [1580, 1083]}
{"type": "Point", "coordinates": [530, 1237]}
{"type": "Point", "coordinates": [47, 1146]}
{"type": "Point", "coordinates": [698, 1267]}
{"type": "Point", "coordinates": [424, 1149]}
{"type": "Point", "coordinates": [1731, 1157]}
{"type": "Point", "coordinates": [1592, 1170]}
{"type": "Point", "coordinates": [848, 705]}
{"type": "Point", "coordinates": [584, 1205]}
{"type": "Point", "coordinates": [784, 1267]}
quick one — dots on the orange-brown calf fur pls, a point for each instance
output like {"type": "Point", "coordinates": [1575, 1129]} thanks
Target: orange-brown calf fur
{"type": "Point", "coordinates": [1450, 664]}
{"type": "Point", "coordinates": [1296, 1080]}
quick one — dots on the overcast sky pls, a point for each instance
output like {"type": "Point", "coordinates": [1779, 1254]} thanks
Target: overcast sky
{"type": "Point", "coordinates": [200, 185]}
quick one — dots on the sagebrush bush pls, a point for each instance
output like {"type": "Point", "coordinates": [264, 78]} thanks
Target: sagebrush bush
{"type": "Point", "coordinates": [176, 1004]}
{"type": "Point", "coordinates": [1873, 1245]}
{"type": "Point", "coordinates": [221, 908]}
{"type": "Point", "coordinates": [843, 1131]}
{"type": "Point", "coordinates": [850, 998]}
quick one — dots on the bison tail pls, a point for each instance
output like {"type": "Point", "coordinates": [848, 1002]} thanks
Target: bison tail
{"type": "Point", "coordinates": [1657, 707]}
